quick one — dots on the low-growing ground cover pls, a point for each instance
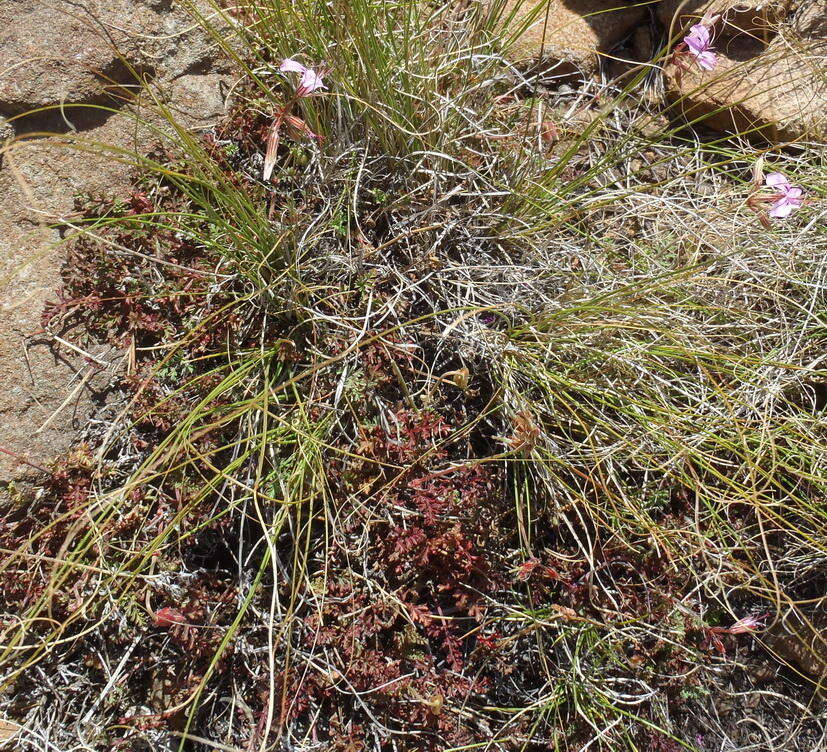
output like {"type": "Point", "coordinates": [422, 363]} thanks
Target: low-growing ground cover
{"type": "Point", "coordinates": [491, 419]}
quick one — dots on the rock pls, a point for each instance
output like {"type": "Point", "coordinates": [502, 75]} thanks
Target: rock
{"type": "Point", "coordinates": [198, 99]}
{"type": "Point", "coordinates": [49, 388]}
{"type": "Point", "coordinates": [48, 56]}
{"type": "Point", "coordinates": [569, 34]}
{"type": "Point", "coordinates": [9, 730]}
{"type": "Point", "coordinates": [755, 17]}
{"type": "Point", "coordinates": [6, 130]}
{"type": "Point", "coordinates": [777, 90]}
{"type": "Point", "coordinates": [801, 642]}
{"type": "Point", "coordinates": [643, 43]}
{"type": "Point", "coordinates": [52, 53]}
{"type": "Point", "coordinates": [92, 52]}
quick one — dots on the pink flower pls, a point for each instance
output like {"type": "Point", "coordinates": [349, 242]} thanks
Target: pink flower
{"type": "Point", "coordinates": [746, 624]}
{"type": "Point", "coordinates": [788, 197]}
{"type": "Point", "coordinates": [311, 79]}
{"type": "Point", "coordinates": [699, 43]}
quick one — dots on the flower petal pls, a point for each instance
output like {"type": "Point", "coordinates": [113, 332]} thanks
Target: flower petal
{"type": "Point", "coordinates": [776, 180]}
{"type": "Point", "coordinates": [707, 60]}
{"type": "Point", "coordinates": [288, 65]}
{"type": "Point", "coordinates": [747, 624]}
{"type": "Point", "coordinates": [781, 209]}
{"type": "Point", "coordinates": [698, 33]}
{"type": "Point", "coordinates": [310, 82]}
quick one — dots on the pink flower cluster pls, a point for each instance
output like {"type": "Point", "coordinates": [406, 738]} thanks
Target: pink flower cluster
{"type": "Point", "coordinates": [697, 43]}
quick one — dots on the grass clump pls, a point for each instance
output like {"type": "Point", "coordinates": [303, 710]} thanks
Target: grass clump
{"type": "Point", "coordinates": [462, 432]}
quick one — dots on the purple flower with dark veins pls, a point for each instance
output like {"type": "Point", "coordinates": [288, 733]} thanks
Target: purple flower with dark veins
{"type": "Point", "coordinates": [699, 43]}
{"type": "Point", "coordinates": [788, 197]}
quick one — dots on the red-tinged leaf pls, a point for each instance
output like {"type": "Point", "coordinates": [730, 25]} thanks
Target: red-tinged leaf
{"type": "Point", "coordinates": [526, 569]}
{"type": "Point", "coordinates": [549, 132]}
{"type": "Point", "coordinates": [168, 617]}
